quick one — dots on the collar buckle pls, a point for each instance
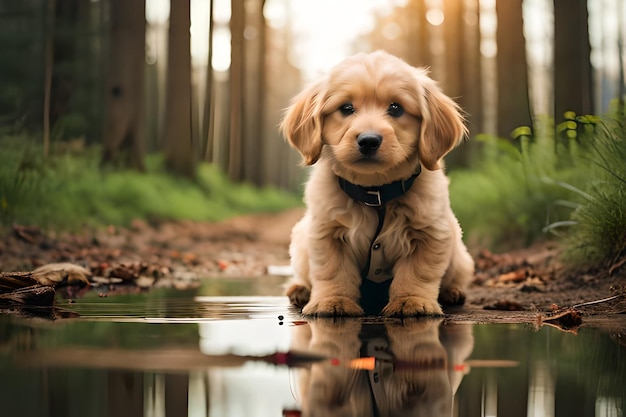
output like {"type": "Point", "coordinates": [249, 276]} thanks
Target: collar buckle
{"type": "Point", "coordinates": [379, 201]}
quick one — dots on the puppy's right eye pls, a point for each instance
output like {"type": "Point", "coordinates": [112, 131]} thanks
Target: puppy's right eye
{"type": "Point", "coordinates": [346, 109]}
{"type": "Point", "coordinates": [395, 110]}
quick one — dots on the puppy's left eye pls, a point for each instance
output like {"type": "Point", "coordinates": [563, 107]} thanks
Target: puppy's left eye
{"type": "Point", "coordinates": [346, 109]}
{"type": "Point", "coordinates": [395, 110]}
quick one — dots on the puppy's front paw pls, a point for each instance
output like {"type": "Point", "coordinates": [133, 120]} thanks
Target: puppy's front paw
{"type": "Point", "coordinates": [451, 296]}
{"type": "Point", "coordinates": [333, 307]}
{"type": "Point", "coordinates": [411, 307]}
{"type": "Point", "coordinates": [298, 295]}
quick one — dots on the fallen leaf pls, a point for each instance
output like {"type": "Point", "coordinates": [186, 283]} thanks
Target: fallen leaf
{"type": "Point", "coordinates": [62, 272]}
{"type": "Point", "coordinates": [513, 276]}
{"type": "Point", "coordinates": [190, 258]}
{"type": "Point", "coordinates": [222, 264]}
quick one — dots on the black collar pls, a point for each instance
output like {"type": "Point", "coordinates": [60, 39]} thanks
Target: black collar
{"type": "Point", "coordinates": [377, 196]}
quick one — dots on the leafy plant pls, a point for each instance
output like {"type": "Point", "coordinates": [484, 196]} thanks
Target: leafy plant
{"type": "Point", "coordinates": [513, 189]}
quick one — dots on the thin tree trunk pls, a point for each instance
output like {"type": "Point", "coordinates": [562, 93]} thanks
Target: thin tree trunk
{"type": "Point", "coordinates": [422, 48]}
{"type": "Point", "coordinates": [513, 100]}
{"type": "Point", "coordinates": [470, 97]}
{"type": "Point", "coordinates": [124, 127]}
{"type": "Point", "coordinates": [620, 55]}
{"type": "Point", "coordinates": [208, 131]}
{"type": "Point", "coordinates": [237, 65]}
{"type": "Point", "coordinates": [572, 65]}
{"type": "Point", "coordinates": [462, 79]}
{"type": "Point", "coordinates": [64, 55]}
{"type": "Point", "coordinates": [452, 28]}
{"type": "Point", "coordinates": [179, 155]}
{"type": "Point", "coordinates": [49, 64]}
{"type": "Point", "coordinates": [280, 160]}
{"type": "Point", "coordinates": [254, 50]}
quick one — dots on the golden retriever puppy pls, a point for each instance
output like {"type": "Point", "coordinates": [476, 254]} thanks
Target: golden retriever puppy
{"type": "Point", "coordinates": [378, 235]}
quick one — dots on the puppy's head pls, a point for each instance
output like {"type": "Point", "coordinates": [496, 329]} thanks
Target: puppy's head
{"type": "Point", "coordinates": [376, 118]}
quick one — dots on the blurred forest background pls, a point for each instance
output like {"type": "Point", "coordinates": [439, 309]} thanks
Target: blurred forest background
{"type": "Point", "coordinates": [128, 76]}
{"type": "Point", "coordinates": [202, 83]}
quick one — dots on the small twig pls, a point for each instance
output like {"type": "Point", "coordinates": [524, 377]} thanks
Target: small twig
{"type": "Point", "coordinates": [604, 300]}
{"type": "Point", "coordinates": [617, 265]}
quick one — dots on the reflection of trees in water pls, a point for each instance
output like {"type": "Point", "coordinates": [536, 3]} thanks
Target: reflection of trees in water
{"type": "Point", "coordinates": [160, 367]}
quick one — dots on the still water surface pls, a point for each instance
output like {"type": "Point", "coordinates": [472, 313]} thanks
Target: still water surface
{"type": "Point", "coordinates": [211, 353]}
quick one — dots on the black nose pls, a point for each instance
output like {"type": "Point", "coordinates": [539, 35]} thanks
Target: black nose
{"type": "Point", "coordinates": [369, 142]}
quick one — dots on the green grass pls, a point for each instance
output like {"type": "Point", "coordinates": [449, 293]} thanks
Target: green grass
{"type": "Point", "coordinates": [598, 236]}
{"type": "Point", "coordinates": [568, 183]}
{"type": "Point", "coordinates": [69, 191]}
{"type": "Point", "coordinates": [513, 190]}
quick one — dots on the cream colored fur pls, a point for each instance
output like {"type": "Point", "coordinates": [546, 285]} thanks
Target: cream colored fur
{"type": "Point", "coordinates": [432, 354]}
{"type": "Point", "coordinates": [421, 235]}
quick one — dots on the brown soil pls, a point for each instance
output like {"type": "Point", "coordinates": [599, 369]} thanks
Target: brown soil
{"type": "Point", "coordinates": [531, 281]}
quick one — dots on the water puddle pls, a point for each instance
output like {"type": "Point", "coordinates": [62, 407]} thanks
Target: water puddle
{"type": "Point", "coordinates": [219, 351]}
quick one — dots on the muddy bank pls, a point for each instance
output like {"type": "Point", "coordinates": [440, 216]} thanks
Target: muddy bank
{"type": "Point", "coordinates": [181, 254]}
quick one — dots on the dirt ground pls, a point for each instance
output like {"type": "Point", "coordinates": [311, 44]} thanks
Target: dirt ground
{"type": "Point", "coordinates": [180, 254]}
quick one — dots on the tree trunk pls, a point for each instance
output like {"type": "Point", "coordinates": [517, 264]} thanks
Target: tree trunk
{"type": "Point", "coordinates": [461, 22]}
{"type": "Point", "coordinates": [124, 126]}
{"type": "Point", "coordinates": [572, 65]}
{"type": "Point", "coordinates": [237, 66]}
{"type": "Point", "coordinates": [280, 160]}
{"type": "Point", "coordinates": [454, 48]}
{"type": "Point", "coordinates": [63, 80]}
{"type": "Point", "coordinates": [513, 100]}
{"type": "Point", "coordinates": [419, 36]}
{"type": "Point", "coordinates": [208, 131]}
{"type": "Point", "coordinates": [621, 87]}
{"type": "Point", "coordinates": [179, 150]}
{"type": "Point", "coordinates": [470, 97]}
{"type": "Point", "coordinates": [254, 50]}
{"type": "Point", "coordinates": [49, 65]}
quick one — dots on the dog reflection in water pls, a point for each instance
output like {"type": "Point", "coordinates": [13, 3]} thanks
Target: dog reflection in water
{"type": "Point", "coordinates": [390, 368]}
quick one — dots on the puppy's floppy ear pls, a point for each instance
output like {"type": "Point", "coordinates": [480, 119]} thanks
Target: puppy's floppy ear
{"type": "Point", "coordinates": [302, 123]}
{"type": "Point", "coordinates": [443, 125]}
